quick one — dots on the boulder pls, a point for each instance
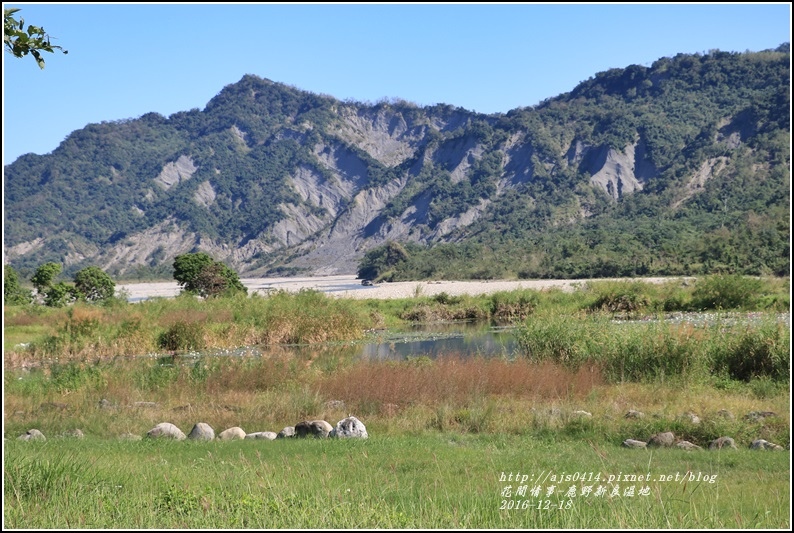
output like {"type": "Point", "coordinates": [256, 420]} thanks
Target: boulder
{"type": "Point", "coordinates": [166, 430]}
{"type": "Point", "coordinates": [201, 431]}
{"type": "Point", "coordinates": [758, 416]}
{"type": "Point", "coordinates": [286, 433]}
{"type": "Point", "coordinates": [688, 446]}
{"type": "Point", "coordinates": [317, 428]}
{"type": "Point", "coordinates": [234, 433]}
{"type": "Point", "coordinates": [761, 444]}
{"type": "Point", "coordinates": [662, 440]}
{"type": "Point", "coordinates": [32, 434]}
{"type": "Point", "coordinates": [267, 435]}
{"type": "Point", "coordinates": [722, 442]}
{"type": "Point", "coordinates": [690, 417]}
{"type": "Point", "coordinates": [631, 443]}
{"type": "Point", "coordinates": [350, 427]}
{"type": "Point", "coordinates": [635, 414]}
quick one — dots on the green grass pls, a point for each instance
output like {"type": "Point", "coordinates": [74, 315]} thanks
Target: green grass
{"type": "Point", "coordinates": [419, 481]}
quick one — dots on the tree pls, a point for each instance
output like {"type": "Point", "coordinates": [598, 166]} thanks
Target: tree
{"type": "Point", "coordinates": [378, 262]}
{"type": "Point", "coordinates": [198, 273]}
{"type": "Point", "coordinates": [21, 42]}
{"type": "Point", "coordinates": [13, 293]}
{"type": "Point", "coordinates": [94, 284]}
{"type": "Point", "coordinates": [60, 294]}
{"type": "Point", "coordinates": [45, 275]}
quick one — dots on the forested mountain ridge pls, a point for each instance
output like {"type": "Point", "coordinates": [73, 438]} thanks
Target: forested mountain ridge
{"type": "Point", "coordinates": [677, 168]}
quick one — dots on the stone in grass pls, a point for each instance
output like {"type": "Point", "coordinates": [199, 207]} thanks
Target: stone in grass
{"type": "Point", "coordinates": [130, 436]}
{"type": "Point", "coordinates": [166, 430]}
{"type": "Point", "coordinates": [690, 417]}
{"type": "Point", "coordinates": [724, 413]}
{"type": "Point", "coordinates": [316, 428]}
{"type": "Point", "coordinates": [584, 414]}
{"type": "Point", "coordinates": [634, 414]}
{"type": "Point", "coordinates": [631, 443]}
{"type": "Point", "coordinates": [32, 434]}
{"type": "Point", "coordinates": [266, 435]}
{"type": "Point", "coordinates": [74, 433]}
{"type": "Point", "coordinates": [722, 442]}
{"type": "Point", "coordinates": [350, 427]}
{"type": "Point", "coordinates": [758, 416]}
{"type": "Point", "coordinates": [761, 444]}
{"type": "Point", "coordinates": [662, 440]}
{"type": "Point", "coordinates": [201, 431]}
{"type": "Point", "coordinates": [234, 433]}
{"type": "Point", "coordinates": [688, 446]}
{"type": "Point", "coordinates": [286, 433]}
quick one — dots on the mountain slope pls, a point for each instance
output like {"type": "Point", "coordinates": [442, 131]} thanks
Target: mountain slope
{"type": "Point", "coordinates": [678, 167]}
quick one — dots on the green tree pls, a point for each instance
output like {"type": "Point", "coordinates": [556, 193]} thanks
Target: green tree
{"type": "Point", "coordinates": [94, 284]}
{"type": "Point", "coordinates": [60, 294]}
{"type": "Point", "coordinates": [378, 262]}
{"type": "Point", "coordinates": [45, 275]}
{"type": "Point", "coordinates": [22, 42]}
{"type": "Point", "coordinates": [13, 293]}
{"type": "Point", "coordinates": [198, 273]}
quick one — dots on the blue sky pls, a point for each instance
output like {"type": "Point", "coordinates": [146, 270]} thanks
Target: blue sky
{"type": "Point", "coordinates": [126, 60]}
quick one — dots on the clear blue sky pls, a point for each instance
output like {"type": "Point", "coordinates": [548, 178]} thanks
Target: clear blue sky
{"type": "Point", "coordinates": [126, 60]}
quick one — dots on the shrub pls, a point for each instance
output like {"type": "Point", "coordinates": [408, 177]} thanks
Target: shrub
{"type": "Point", "coordinates": [726, 292]}
{"type": "Point", "coordinates": [183, 336]}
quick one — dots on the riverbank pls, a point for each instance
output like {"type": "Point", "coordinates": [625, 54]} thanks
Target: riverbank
{"type": "Point", "coordinates": [348, 286]}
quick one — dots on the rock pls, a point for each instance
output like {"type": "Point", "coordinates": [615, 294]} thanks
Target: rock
{"type": "Point", "coordinates": [758, 416]}
{"type": "Point", "coordinates": [202, 431]}
{"type": "Point", "coordinates": [286, 433]}
{"type": "Point", "coordinates": [130, 436]}
{"type": "Point", "coordinates": [662, 440]}
{"type": "Point", "coordinates": [690, 417]}
{"type": "Point", "coordinates": [234, 433]}
{"type": "Point", "coordinates": [74, 433]}
{"type": "Point", "coordinates": [686, 445]}
{"type": "Point", "coordinates": [166, 430]}
{"type": "Point", "coordinates": [635, 414]}
{"type": "Point", "coordinates": [722, 442]}
{"type": "Point", "coordinates": [350, 427]}
{"type": "Point", "coordinates": [631, 443]}
{"type": "Point", "coordinates": [104, 404]}
{"type": "Point", "coordinates": [335, 404]}
{"type": "Point", "coordinates": [317, 428]}
{"type": "Point", "coordinates": [145, 405]}
{"type": "Point", "coordinates": [582, 413]}
{"type": "Point", "coordinates": [32, 434]}
{"type": "Point", "coordinates": [267, 435]}
{"type": "Point", "coordinates": [724, 413]}
{"type": "Point", "coordinates": [761, 444]}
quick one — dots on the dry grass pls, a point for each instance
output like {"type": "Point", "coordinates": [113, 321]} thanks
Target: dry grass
{"type": "Point", "coordinates": [453, 379]}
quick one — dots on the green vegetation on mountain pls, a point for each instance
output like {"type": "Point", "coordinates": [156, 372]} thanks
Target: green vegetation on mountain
{"type": "Point", "coordinates": [677, 168]}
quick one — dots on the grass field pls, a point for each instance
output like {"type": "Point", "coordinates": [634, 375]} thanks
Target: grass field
{"type": "Point", "coordinates": [448, 436]}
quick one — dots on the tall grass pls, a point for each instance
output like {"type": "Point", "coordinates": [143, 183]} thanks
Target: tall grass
{"type": "Point", "coordinates": [659, 350]}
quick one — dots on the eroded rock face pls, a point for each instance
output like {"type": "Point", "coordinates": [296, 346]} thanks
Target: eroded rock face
{"type": "Point", "coordinates": [202, 431]}
{"type": "Point", "coordinates": [166, 430]}
{"type": "Point", "coordinates": [350, 427]}
{"type": "Point", "coordinates": [234, 433]}
{"type": "Point", "coordinates": [314, 428]}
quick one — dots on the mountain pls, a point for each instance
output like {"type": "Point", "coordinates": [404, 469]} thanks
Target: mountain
{"type": "Point", "coordinates": [680, 167]}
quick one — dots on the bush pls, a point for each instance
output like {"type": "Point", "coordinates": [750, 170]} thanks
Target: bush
{"type": "Point", "coordinates": [183, 336]}
{"type": "Point", "coordinates": [726, 292]}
